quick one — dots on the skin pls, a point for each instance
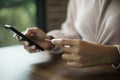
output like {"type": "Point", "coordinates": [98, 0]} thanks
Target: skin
{"type": "Point", "coordinates": [38, 36]}
{"type": "Point", "coordinates": [86, 54]}
{"type": "Point", "coordinates": [79, 53]}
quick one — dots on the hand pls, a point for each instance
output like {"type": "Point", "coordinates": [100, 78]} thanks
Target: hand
{"type": "Point", "coordinates": [85, 54]}
{"type": "Point", "coordinates": [37, 36]}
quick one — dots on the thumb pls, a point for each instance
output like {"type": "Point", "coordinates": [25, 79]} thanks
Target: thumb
{"type": "Point", "coordinates": [56, 41]}
{"type": "Point", "coordinates": [64, 41]}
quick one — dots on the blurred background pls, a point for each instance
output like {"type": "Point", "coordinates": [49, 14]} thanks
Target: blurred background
{"type": "Point", "coordinates": [45, 14]}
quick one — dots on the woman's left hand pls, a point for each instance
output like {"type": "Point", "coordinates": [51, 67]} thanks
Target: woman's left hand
{"type": "Point", "coordinates": [81, 53]}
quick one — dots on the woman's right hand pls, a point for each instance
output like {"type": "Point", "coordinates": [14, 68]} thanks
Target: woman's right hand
{"type": "Point", "coordinates": [38, 36]}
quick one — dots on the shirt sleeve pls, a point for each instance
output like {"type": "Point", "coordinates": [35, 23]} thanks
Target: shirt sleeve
{"type": "Point", "coordinates": [67, 30]}
{"type": "Point", "coordinates": [118, 48]}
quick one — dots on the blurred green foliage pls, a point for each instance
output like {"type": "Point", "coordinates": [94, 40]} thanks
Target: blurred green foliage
{"type": "Point", "coordinates": [20, 16]}
{"type": "Point", "coordinates": [14, 3]}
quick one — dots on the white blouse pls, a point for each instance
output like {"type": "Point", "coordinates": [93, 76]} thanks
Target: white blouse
{"type": "Point", "coordinates": [92, 20]}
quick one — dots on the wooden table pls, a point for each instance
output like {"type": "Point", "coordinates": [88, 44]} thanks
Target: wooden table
{"type": "Point", "coordinates": [18, 64]}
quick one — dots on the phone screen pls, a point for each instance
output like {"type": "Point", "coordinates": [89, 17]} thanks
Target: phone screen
{"type": "Point", "coordinates": [12, 29]}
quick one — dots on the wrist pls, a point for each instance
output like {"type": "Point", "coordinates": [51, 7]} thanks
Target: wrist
{"type": "Point", "coordinates": [117, 66]}
{"type": "Point", "coordinates": [113, 55]}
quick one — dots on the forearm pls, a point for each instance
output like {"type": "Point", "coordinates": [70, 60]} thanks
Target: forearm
{"type": "Point", "coordinates": [64, 33]}
{"type": "Point", "coordinates": [112, 56]}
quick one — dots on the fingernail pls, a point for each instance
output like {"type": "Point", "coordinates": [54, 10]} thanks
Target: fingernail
{"type": "Point", "coordinates": [26, 43]}
{"type": "Point", "coordinates": [67, 46]}
{"type": "Point", "coordinates": [31, 35]}
{"type": "Point", "coordinates": [54, 41]}
{"type": "Point", "coordinates": [37, 50]}
{"type": "Point", "coordinates": [33, 47]}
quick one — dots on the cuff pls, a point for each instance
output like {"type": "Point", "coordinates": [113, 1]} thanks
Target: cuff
{"type": "Point", "coordinates": [118, 65]}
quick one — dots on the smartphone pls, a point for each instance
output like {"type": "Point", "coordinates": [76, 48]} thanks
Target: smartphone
{"type": "Point", "coordinates": [12, 29]}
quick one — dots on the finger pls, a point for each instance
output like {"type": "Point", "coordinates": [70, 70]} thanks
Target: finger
{"type": "Point", "coordinates": [64, 41]}
{"type": "Point", "coordinates": [31, 49]}
{"type": "Point", "coordinates": [66, 49]}
{"type": "Point", "coordinates": [70, 57]}
{"type": "Point", "coordinates": [73, 49]}
{"type": "Point", "coordinates": [74, 64]}
{"type": "Point", "coordinates": [25, 43]}
{"type": "Point", "coordinates": [30, 32]}
{"type": "Point", "coordinates": [37, 50]}
{"type": "Point", "coordinates": [16, 37]}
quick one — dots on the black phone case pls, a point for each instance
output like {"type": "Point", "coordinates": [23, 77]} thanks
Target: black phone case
{"type": "Point", "coordinates": [8, 27]}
